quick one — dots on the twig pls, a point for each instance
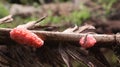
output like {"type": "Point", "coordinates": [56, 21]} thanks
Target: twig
{"type": "Point", "coordinates": [6, 19]}
{"type": "Point", "coordinates": [31, 24]}
{"type": "Point", "coordinates": [72, 37]}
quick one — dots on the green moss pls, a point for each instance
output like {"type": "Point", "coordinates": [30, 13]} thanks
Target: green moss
{"type": "Point", "coordinates": [3, 11]}
{"type": "Point", "coordinates": [78, 17]}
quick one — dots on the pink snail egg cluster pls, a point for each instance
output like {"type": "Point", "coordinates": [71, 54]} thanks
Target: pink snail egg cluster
{"type": "Point", "coordinates": [23, 36]}
{"type": "Point", "coordinates": [88, 41]}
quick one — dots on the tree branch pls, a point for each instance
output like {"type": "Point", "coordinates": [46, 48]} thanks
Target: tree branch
{"type": "Point", "coordinates": [61, 36]}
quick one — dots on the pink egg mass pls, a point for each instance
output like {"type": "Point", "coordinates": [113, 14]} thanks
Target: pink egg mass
{"type": "Point", "coordinates": [23, 36]}
{"type": "Point", "coordinates": [88, 41]}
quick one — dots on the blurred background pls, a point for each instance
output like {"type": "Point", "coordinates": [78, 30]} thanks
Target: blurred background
{"type": "Point", "coordinates": [61, 14]}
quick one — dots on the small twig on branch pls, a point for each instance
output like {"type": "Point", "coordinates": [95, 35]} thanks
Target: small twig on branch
{"type": "Point", "coordinates": [72, 37]}
{"type": "Point", "coordinates": [31, 24]}
{"type": "Point", "coordinates": [6, 19]}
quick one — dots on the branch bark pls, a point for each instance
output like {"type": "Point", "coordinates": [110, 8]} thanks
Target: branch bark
{"type": "Point", "coordinates": [61, 36]}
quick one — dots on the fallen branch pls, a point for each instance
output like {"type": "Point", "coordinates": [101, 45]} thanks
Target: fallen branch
{"type": "Point", "coordinates": [61, 36]}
